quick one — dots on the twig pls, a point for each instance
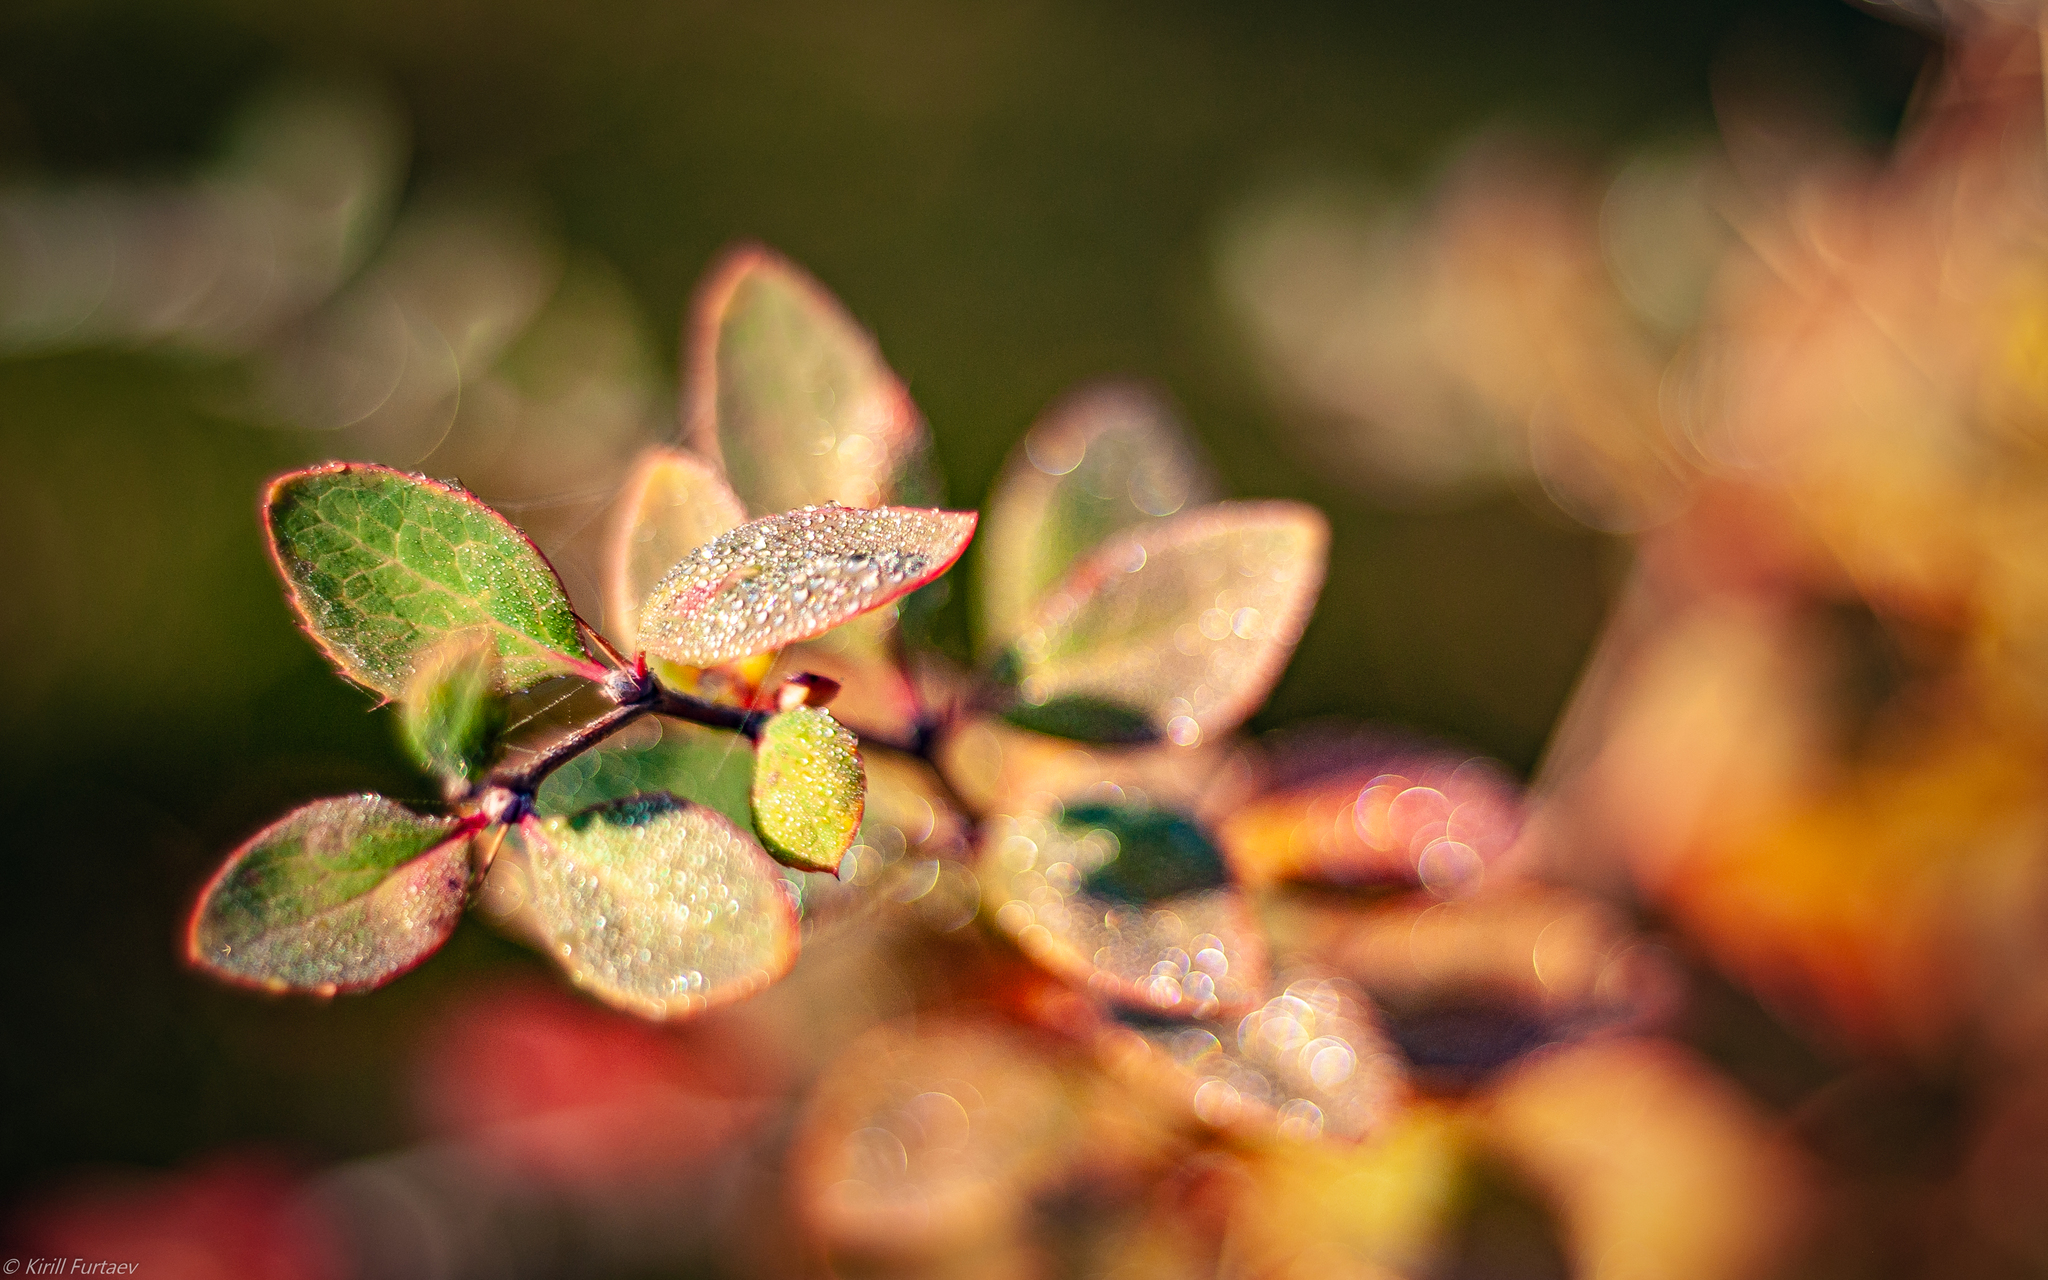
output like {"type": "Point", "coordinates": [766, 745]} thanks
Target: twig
{"type": "Point", "coordinates": [716, 715]}
{"type": "Point", "coordinates": [526, 779]}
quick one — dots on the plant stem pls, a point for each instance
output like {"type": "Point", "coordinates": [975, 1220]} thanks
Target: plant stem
{"type": "Point", "coordinates": [526, 779]}
{"type": "Point", "coordinates": [648, 697]}
{"type": "Point", "coordinates": [716, 715]}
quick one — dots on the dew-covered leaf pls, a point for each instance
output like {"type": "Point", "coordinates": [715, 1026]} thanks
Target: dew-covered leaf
{"type": "Point", "coordinates": [709, 766]}
{"type": "Point", "coordinates": [1167, 934]}
{"type": "Point", "coordinates": [1107, 457]}
{"type": "Point", "coordinates": [653, 904]}
{"type": "Point", "coordinates": [809, 788]}
{"type": "Point", "coordinates": [339, 895]}
{"type": "Point", "coordinates": [453, 709]}
{"type": "Point", "coordinates": [1309, 1062]}
{"type": "Point", "coordinates": [382, 566]}
{"type": "Point", "coordinates": [1373, 810]}
{"type": "Point", "coordinates": [794, 396]}
{"type": "Point", "coordinates": [794, 576]}
{"type": "Point", "coordinates": [1188, 620]}
{"type": "Point", "coordinates": [672, 504]}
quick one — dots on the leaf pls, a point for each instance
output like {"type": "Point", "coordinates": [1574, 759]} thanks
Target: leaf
{"type": "Point", "coordinates": [794, 576]}
{"type": "Point", "coordinates": [809, 788]}
{"type": "Point", "coordinates": [793, 396]}
{"type": "Point", "coordinates": [657, 905]}
{"type": "Point", "coordinates": [672, 504]}
{"type": "Point", "coordinates": [1085, 718]}
{"type": "Point", "coordinates": [706, 766]}
{"type": "Point", "coordinates": [382, 566]}
{"type": "Point", "coordinates": [1167, 934]}
{"type": "Point", "coordinates": [453, 710]}
{"type": "Point", "coordinates": [1188, 620]}
{"type": "Point", "coordinates": [1158, 854]}
{"type": "Point", "coordinates": [339, 895]}
{"type": "Point", "coordinates": [1106, 458]}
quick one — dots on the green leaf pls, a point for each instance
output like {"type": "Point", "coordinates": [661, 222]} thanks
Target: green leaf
{"type": "Point", "coordinates": [339, 895]}
{"type": "Point", "coordinates": [657, 905]}
{"type": "Point", "coordinates": [1104, 459]}
{"type": "Point", "coordinates": [1188, 620]}
{"type": "Point", "coordinates": [1130, 903]}
{"type": "Point", "coordinates": [1159, 854]}
{"type": "Point", "coordinates": [1085, 718]}
{"type": "Point", "coordinates": [795, 576]}
{"type": "Point", "coordinates": [794, 396]}
{"type": "Point", "coordinates": [708, 766]}
{"type": "Point", "coordinates": [809, 788]}
{"type": "Point", "coordinates": [672, 504]}
{"type": "Point", "coordinates": [382, 566]}
{"type": "Point", "coordinates": [453, 710]}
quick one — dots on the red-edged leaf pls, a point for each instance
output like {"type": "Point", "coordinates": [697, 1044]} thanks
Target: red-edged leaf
{"type": "Point", "coordinates": [653, 904]}
{"type": "Point", "coordinates": [1103, 459]}
{"type": "Point", "coordinates": [794, 397]}
{"type": "Point", "coordinates": [794, 576]}
{"type": "Point", "coordinates": [1188, 621]}
{"type": "Point", "coordinates": [672, 504]}
{"type": "Point", "coordinates": [340, 895]}
{"type": "Point", "coordinates": [383, 566]}
{"type": "Point", "coordinates": [1147, 922]}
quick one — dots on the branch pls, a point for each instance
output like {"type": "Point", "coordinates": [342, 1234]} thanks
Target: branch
{"type": "Point", "coordinates": [716, 715]}
{"type": "Point", "coordinates": [526, 779]}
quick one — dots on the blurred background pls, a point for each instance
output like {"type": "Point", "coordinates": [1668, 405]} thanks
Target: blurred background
{"type": "Point", "coordinates": [1428, 267]}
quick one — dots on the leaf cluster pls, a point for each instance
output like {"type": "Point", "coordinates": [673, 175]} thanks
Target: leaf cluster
{"type": "Point", "coordinates": [421, 593]}
{"type": "Point", "coordinates": [1122, 605]}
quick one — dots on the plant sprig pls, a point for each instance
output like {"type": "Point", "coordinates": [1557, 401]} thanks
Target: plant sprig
{"type": "Point", "coordinates": [1131, 618]}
